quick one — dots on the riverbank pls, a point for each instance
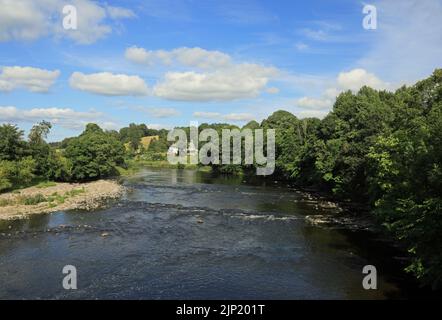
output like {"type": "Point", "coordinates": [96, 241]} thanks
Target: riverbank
{"type": "Point", "coordinates": [22, 203]}
{"type": "Point", "coordinates": [343, 215]}
{"type": "Point", "coordinates": [133, 166]}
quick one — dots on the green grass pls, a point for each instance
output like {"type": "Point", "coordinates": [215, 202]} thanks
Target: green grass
{"type": "Point", "coordinates": [75, 192]}
{"type": "Point", "coordinates": [26, 200]}
{"type": "Point", "coordinates": [53, 200]}
{"type": "Point", "coordinates": [6, 202]}
{"type": "Point", "coordinates": [33, 200]}
{"type": "Point", "coordinates": [59, 199]}
{"type": "Point", "coordinates": [46, 184]}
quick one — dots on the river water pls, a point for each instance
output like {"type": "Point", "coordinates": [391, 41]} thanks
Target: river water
{"type": "Point", "coordinates": [181, 234]}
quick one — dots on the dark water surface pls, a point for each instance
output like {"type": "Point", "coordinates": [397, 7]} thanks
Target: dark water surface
{"type": "Point", "coordinates": [185, 234]}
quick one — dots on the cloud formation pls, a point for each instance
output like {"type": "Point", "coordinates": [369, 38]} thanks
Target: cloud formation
{"type": "Point", "coordinates": [352, 80]}
{"type": "Point", "coordinates": [357, 78]}
{"type": "Point", "coordinates": [212, 75]}
{"type": "Point", "coordinates": [29, 78]}
{"type": "Point", "coordinates": [189, 57]}
{"type": "Point", "coordinates": [64, 117]}
{"type": "Point", "coordinates": [236, 82]}
{"type": "Point", "coordinates": [236, 117]}
{"type": "Point", "coordinates": [28, 20]}
{"type": "Point", "coordinates": [108, 84]}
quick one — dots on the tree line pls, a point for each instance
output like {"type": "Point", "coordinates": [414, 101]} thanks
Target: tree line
{"type": "Point", "coordinates": [377, 148]}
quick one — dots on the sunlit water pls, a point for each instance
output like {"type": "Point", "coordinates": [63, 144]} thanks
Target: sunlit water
{"type": "Point", "coordinates": [187, 235]}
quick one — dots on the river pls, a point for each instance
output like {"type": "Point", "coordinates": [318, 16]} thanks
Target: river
{"type": "Point", "coordinates": [182, 234]}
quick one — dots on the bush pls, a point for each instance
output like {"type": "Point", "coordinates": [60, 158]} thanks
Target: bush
{"type": "Point", "coordinates": [7, 173]}
{"type": "Point", "coordinates": [25, 171]}
{"type": "Point", "coordinates": [14, 174]}
{"type": "Point", "coordinates": [33, 200]}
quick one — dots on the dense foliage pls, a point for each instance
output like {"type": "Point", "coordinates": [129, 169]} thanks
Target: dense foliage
{"type": "Point", "coordinates": [382, 149]}
{"type": "Point", "coordinates": [94, 154]}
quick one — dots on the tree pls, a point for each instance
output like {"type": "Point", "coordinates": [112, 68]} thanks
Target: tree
{"type": "Point", "coordinates": [94, 154]}
{"type": "Point", "coordinates": [39, 132]}
{"type": "Point", "coordinates": [14, 174]}
{"type": "Point", "coordinates": [39, 149]}
{"type": "Point", "coordinates": [406, 179]}
{"type": "Point", "coordinates": [12, 146]}
{"type": "Point", "coordinates": [287, 141]}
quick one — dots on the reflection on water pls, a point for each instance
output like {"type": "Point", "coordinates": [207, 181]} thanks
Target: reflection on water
{"type": "Point", "coordinates": [185, 234]}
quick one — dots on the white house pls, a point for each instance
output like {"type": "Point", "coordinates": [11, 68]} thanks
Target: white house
{"type": "Point", "coordinates": [173, 150]}
{"type": "Point", "coordinates": [190, 150]}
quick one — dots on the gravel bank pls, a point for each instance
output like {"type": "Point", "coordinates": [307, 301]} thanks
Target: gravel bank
{"type": "Point", "coordinates": [62, 196]}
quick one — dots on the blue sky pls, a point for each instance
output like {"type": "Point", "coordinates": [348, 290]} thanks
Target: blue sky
{"type": "Point", "coordinates": [168, 62]}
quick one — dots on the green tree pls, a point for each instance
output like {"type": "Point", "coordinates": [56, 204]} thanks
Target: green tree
{"type": "Point", "coordinates": [406, 179]}
{"type": "Point", "coordinates": [12, 146]}
{"type": "Point", "coordinates": [40, 151]}
{"type": "Point", "coordinates": [94, 154]}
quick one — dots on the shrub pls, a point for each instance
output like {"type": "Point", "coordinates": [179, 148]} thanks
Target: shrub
{"type": "Point", "coordinates": [33, 200]}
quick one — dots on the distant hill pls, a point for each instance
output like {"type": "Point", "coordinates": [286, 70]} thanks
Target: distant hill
{"type": "Point", "coordinates": [144, 141]}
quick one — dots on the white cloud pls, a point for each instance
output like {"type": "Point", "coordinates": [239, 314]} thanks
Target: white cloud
{"type": "Point", "coordinates": [32, 79]}
{"type": "Point", "coordinates": [157, 126]}
{"type": "Point", "coordinates": [157, 112]}
{"type": "Point", "coordinates": [226, 117]}
{"type": "Point", "coordinates": [238, 82]}
{"type": "Point", "coordinates": [352, 80]}
{"type": "Point", "coordinates": [311, 114]}
{"type": "Point", "coordinates": [139, 55]}
{"type": "Point", "coordinates": [218, 78]}
{"type": "Point", "coordinates": [197, 57]}
{"type": "Point", "coordinates": [109, 84]}
{"type": "Point", "coordinates": [206, 115]}
{"type": "Point", "coordinates": [30, 20]}
{"type": "Point", "coordinates": [24, 20]}
{"type": "Point", "coordinates": [357, 78]}
{"type": "Point", "coordinates": [120, 13]}
{"type": "Point", "coordinates": [331, 93]}
{"type": "Point", "coordinates": [91, 26]}
{"type": "Point", "coordinates": [5, 85]}
{"type": "Point", "coordinates": [238, 117]}
{"type": "Point", "coordinates": [313, 103]}
{"type": "Point", "coordinates": [107, 125]}
{"type": "Point", "coordinates": [64, 117]}
{"type": "Point", "coordinates": [189, 57]}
